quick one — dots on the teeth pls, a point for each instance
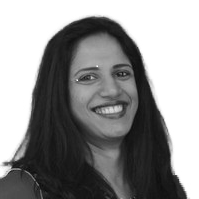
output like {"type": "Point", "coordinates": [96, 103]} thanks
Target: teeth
{"type": "Point", "coordinates": [109, 109]}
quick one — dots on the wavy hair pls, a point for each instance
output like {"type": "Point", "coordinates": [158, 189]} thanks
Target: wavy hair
{"type": "Point", "coordinates": [54, 147]}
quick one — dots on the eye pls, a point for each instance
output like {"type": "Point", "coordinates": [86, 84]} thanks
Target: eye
{"type": "Point", "coordinates": [123, 74]}
{"type": "Point", "coordinates": [87, 78]}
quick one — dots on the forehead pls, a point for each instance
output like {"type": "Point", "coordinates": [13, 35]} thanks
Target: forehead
{"type": "Point", "coordinates": [101, 49]}
{"type": "Point", "coordinates": [100, 41]}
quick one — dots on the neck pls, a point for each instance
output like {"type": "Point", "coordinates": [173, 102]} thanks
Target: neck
{"type": "Point", "coordinates": [108, 160]}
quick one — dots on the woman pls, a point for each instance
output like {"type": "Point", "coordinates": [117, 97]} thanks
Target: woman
{"type": "Point", "coordinates": [95, 130]}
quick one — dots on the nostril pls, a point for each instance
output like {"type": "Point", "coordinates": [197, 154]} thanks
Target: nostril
{"type": "Point", "coordinates": [110, 90]}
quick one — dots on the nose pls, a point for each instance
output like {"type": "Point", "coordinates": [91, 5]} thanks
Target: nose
{"type": "Point", "coordinates": [110, 88]}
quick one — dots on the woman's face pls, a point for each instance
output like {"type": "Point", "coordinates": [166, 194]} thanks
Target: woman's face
{"type": "Point", "coordinates": [102, 87]}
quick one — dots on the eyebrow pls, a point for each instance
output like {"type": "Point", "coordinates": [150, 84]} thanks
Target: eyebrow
{"type": "Point", "coordinates": [94, 68]}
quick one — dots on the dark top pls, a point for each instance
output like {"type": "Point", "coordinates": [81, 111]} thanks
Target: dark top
{"type": "Point", "coordinates": [22, 185]}
{"type": "Point", "coordinates": [17, 185]}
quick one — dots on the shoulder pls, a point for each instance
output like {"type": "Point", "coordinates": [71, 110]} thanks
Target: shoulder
{"type": "Point", "coordinates": [19, 184]}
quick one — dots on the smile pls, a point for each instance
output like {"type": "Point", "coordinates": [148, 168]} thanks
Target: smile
{"type": "Point", "coordinates": [110, 109]}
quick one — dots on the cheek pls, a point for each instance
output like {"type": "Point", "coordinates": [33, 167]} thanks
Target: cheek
{"type": "Point", "coordinates": [130, 89]}
{"type": "Point", "coordinates": [79, 97]}
{"type": "Point", "coordinates": [77, 104]}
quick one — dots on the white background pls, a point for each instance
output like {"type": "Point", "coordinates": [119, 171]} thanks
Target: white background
{"type": "Point", "coordinates": [167, 33]}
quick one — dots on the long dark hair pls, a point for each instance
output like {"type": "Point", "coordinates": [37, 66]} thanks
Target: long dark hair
{"type": "Point", "coordinates": [54, 147]}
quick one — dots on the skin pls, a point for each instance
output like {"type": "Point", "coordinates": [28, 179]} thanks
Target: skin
{"type": "Point", "coordinates": [95, 87]}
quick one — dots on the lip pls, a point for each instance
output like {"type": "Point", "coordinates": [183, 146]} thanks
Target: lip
{"type": "Point", "coordinates": [114, 115]}
{"type": "Point", "coordinates": [124, 103]}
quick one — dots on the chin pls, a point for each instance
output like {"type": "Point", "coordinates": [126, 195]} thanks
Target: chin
{"type": "Point", "coordinates": [117, 132]}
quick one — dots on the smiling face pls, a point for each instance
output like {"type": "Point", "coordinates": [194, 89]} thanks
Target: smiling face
{"type": "Point", "coordinates": [102, 88]}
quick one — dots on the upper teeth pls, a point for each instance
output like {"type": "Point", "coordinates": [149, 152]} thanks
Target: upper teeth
{"type": "Point", "coordinates": [109, 109]}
